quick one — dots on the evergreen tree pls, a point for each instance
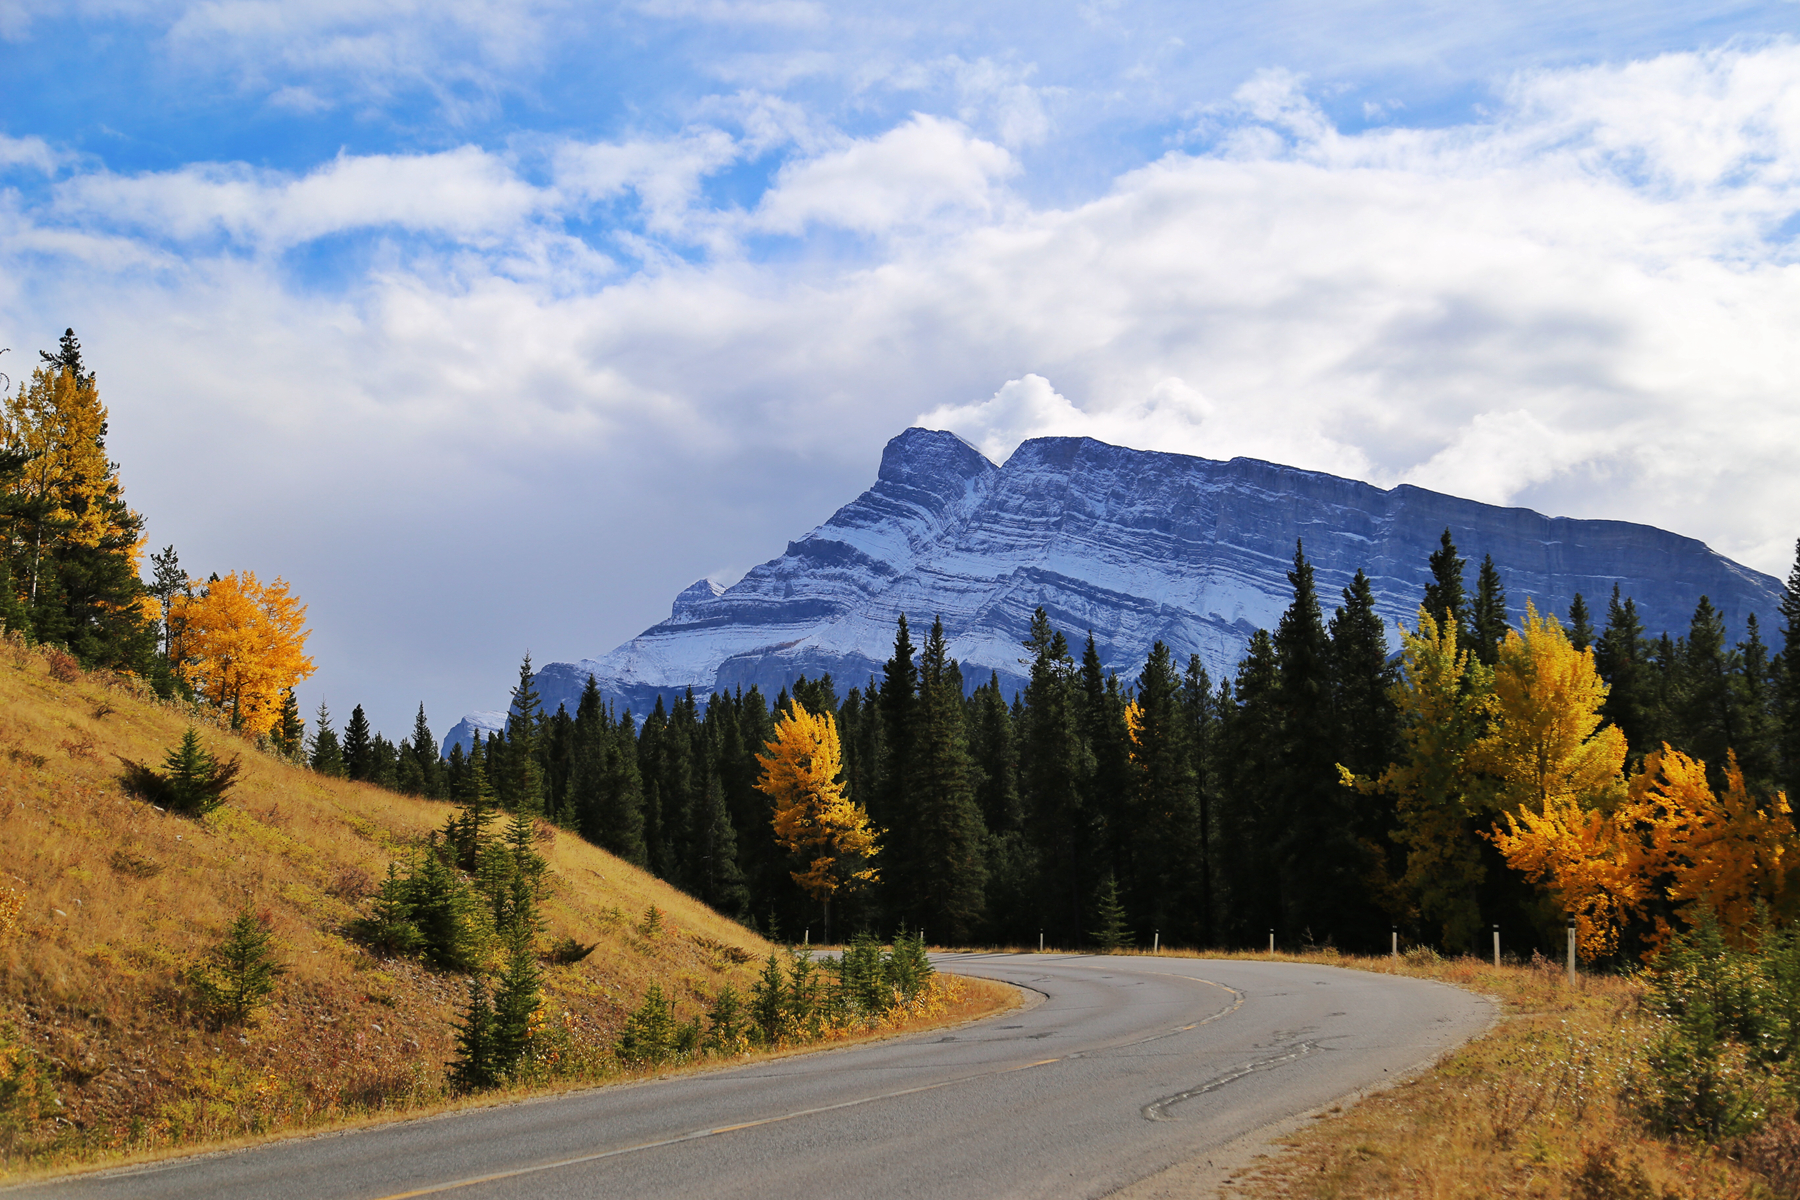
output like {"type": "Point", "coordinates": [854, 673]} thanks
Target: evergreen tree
{"type": "Point", "coordinates": [324, 754]}
{"type": "Point", "coordinates": [894, 808]}
{"type": "Point", "coordinates": [1201, 708]}
{"type": "Point", "coordinates": [167, 581]}
{"type": "Point", "coordinates": [1250, 763]}
{"type": "Point", "coordinates": [241, 975]}
{"type": "Point", "coordinates": [1444, 594]}
{"type": "Point", "coordinates": [1488, 617]}
{"type": "Point", "coordinates": [649, 756]}
{"type": "Point", "coordinates": [476, 1064]}
{"type": "Point", "coordinates": [1054, 764]}
{"type": "Point", "coordinates": [1753, 696]}
{"type": "Point", "coordinates": [718, 880]}
{"type": "Point", "coordinates": [1581, 625]}
{"type": "Point", "coordinates": [1164, 832]}
{"type": "Point", "coordinates": [949, 887]}
{"type": "Point", "coordinates": [1787, 701]}
{"type": "Point", "coordinates": [1111, 931]}
{"type": "Point", "coordinates": [522, 776]}
{"type": "Point", "coordinates": [1321, 863]}
{"type": "Point", "coordinates": [359, 746]}
{"type": "Point", "coordinates": [1620, 657]}
{"type": "Point", "coordinates": [1108, 789]}
{"type": "Point", "coordinates": [1706, 708]}
{"type": "Point", "coordinates": [516, 1003]}
{"type": "Point", "coordinates": [289, 734]}
{"type": "Point", "coordinates": [425, 753]}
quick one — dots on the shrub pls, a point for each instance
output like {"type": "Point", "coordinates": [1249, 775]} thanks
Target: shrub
{"type": "Point", "coordinates": [192, 781]}
{"type": "Point", "coordinates": [240, 976]}
{"type": "Point", "coordinates": [650, 1032]}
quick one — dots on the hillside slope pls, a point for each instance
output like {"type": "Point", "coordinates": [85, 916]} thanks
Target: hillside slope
{"type": "Point", "coordinates": [118, 898]}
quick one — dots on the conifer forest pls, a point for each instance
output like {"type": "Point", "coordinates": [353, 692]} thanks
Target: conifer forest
{"type": "Point", "coordinates": [1519, 772]}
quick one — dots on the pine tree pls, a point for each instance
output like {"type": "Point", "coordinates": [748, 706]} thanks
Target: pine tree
{"type": "Point", "coordinates": [1201, 708]}
{"type": "Point", "coordinates": [289, 734]}
{"type": "Point", "coordinates": [717, 878]}
{"type": "Point", "coordinates": [1788, 685]}
{"type": "Point", "coordinates": [192, 781]}
{"type": "Point", "coordinates": [1054, 765]}
{"type": "Point", "coordinates": [1488, 618]}
{"type": "Point", "coordinates": [1164, 835]}
{"type": "Point", "coordinates": [949, 840]}
{"type": "Point", "coordinates": [1619, 656]}
{"type": "Point", "coordinates": [1108, 789]}
{"type": "Point", "coordinates": [167, 581]}
{"type": "Point", "coordinates": [522, 783]}
{"type": "Point", "coordinates": [476, 1066]}
{"type": "Point", "coordinates": [894, 808]}
{"type": "Point", "coordinates": [1111, 932]}
{"type": "Point", "coordinates": [517, 1000]}
{"type": "Point", "coordinates": [425, 752]}
{"type": "Point", "coordinates": [1251, 761]}
{"type": "Point", "coordinates": [240, 977]}
{"type": "Point", "coordinates": [1444, 594]}
{"type": "Point", "coordinates": [1581, 625]}
{"type": "Point", "coordinates": [359, 746]}
{"type": "Point", "coordinates": [1706, 707]}
{"type": "Point", "coordinates": [1753, 696]}
{"type": "Point", "coordinates": [324, 754]}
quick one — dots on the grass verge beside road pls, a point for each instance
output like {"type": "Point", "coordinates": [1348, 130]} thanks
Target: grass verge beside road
{"type": "Point", "coordinates": [1539, 1106]}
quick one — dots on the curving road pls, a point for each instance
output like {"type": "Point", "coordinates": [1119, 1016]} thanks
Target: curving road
{"type": "Point", "coordinates": [1127, 1066]}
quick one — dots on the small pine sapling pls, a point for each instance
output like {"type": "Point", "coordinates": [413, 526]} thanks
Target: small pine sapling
{"type": "Point", "coordinates": [727, 1028]}
{"type": "Point", "coordinates": [908, 967]}
{"type": "Point", "coordinates": [1113, 932]}
{"type": "Point", "coordinates": [240, 976]}
{"type": "Point", "coordinates": [475, 1067]}
{"type": "Point", "coordinates": [650, 1032]}
{"type": "Point", "coordinates": [518, 1001]}
{"type": "Point", "coordinates": [389, 929]}
{"type": "Point", "coordinates": [768, 1004]}
{"type": "Point", "coordinates": [191, 782]}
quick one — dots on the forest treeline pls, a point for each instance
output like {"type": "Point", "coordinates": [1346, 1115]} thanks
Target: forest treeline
{"type": "Point", "coordinates": [1210, 813]}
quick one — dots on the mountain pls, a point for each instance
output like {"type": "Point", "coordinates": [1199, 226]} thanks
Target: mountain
{"type": "Point", "coordinates": [1135, 545]}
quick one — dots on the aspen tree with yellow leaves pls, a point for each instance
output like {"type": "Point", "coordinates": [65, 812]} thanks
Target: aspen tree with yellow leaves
{"type": "Point", "coordinates": [1443, 699]}
{"type": "Point", "coordinates": [241, 644]}
{"type": "Point", "coordinates": [71, 543]}
{"type": "Point", "coordinates": [814, 820]}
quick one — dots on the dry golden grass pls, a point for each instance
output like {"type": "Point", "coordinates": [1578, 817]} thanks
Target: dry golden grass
{"type": "Point", "coordinates": [1532, 1108]}
{"type": "Point", "coordinates": [114, 899]}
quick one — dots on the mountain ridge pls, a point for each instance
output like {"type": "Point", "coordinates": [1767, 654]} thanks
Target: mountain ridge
{"type": "Point", "coordinates": [1136, 545]}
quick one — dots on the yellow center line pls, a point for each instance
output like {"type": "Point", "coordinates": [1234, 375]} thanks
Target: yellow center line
{"type": "Point", "coordinates": [694, 1135]}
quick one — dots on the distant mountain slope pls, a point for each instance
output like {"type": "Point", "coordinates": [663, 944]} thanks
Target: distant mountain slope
{"type": "Point", "coordinates": [1133, 544]}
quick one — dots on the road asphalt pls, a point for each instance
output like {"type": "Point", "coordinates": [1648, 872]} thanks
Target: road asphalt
{"type": "Point", "coordinates": [1126, 1067]}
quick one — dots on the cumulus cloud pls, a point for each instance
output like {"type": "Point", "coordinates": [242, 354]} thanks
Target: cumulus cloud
{"type": "Point", "coordinates": [1582, 301]}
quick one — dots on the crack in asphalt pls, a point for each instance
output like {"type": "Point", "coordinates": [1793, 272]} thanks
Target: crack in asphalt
{"type": "Point", "coordinates": [1158, 1110]}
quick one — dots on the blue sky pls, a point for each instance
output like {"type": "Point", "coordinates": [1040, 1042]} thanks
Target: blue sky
{"type": "Point", "coordinates": [490, 326]}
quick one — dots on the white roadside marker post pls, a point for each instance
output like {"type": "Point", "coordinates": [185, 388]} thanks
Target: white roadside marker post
{"type": "Point", "coordinates": [1394, 950]}
{"type": "Point", "coordinates": [1271, 941]}
{"type": "Point", "coordinates": [1571, 954]}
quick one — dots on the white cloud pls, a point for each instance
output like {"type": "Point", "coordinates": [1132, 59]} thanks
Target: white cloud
{"type": "Point", "coordinates": [925, 169]}
{"type": "Point", "coordinates": [1574, 304]}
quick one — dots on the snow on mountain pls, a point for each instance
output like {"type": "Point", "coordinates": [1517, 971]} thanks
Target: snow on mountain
{"type": "Point", "coordinates": [1134, 545]}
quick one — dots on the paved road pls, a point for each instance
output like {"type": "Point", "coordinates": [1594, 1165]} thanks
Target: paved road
{"type": "Point", "coordinates": [1127, 1066]}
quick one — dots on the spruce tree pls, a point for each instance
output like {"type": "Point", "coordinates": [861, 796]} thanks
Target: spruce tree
{"type": "Point", "coordinates": [1488, 617]}
{"type": "Point", "coordinates": [1367, 724]}
{"type": "Point", "coordinates": [718, 880]}
{"type": "Point", "coordinates": [476, 1066]}
{"type": "Point", "coordinates": [1251, 760]}
{"type": "Point", "coordinates": [949, 841]}
{"type": "Point", "coordinates": [1444, 594]}
{"type": "Point", "coordinates": [359, 746]}
{"type": "Point", "coordinates": [1163, 839]}
{"type": "Point", "coordinates": [1706, 707]}
{"type": "Point", "coordinates": [523, 774]}
{"type": "Point", "coordinates": [425, 752]}
{"type": "Point", "coordinates": [1108, 790]}
{"type": "Point", "coordinates": [1111, 931]}
{"type": "Point", "coordinates": [1787, 701]}
{"type": "Point", "coordinates": [1054, 764]}
{"type": "Point", "coordinates": [894, 807]}
{"type": "Point", "coordinates": [1581, 624]}
{"type": "Point", "coordinates": [516, 1003]}
{"type": "Point", "coordinates": [289, 734]}
{"type": "Point", "coordinates": [324, 754]}
{"type": "Point", "coordinates": [1201, 707]}
{"type": "Point", "coordinates": [1322, 865]}
{"type": "Point", "coordinates": [650, 763]}
{"type": "Point", "coordinates": [1620, 656]}
{"type": "Point", "coordinates": [1753, 695]}
{"type": "Point", "coordinates": [240, 976]}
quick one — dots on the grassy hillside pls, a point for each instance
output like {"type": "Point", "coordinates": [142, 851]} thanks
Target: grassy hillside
{"type": "Point", "coordinates": [102, 1050]}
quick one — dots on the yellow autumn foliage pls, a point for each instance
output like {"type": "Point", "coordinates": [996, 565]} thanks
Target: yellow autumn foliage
{"type": "Point", "coordinates": [241, 644]}
{"type": "Point", "coordinates": [814, 820]}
